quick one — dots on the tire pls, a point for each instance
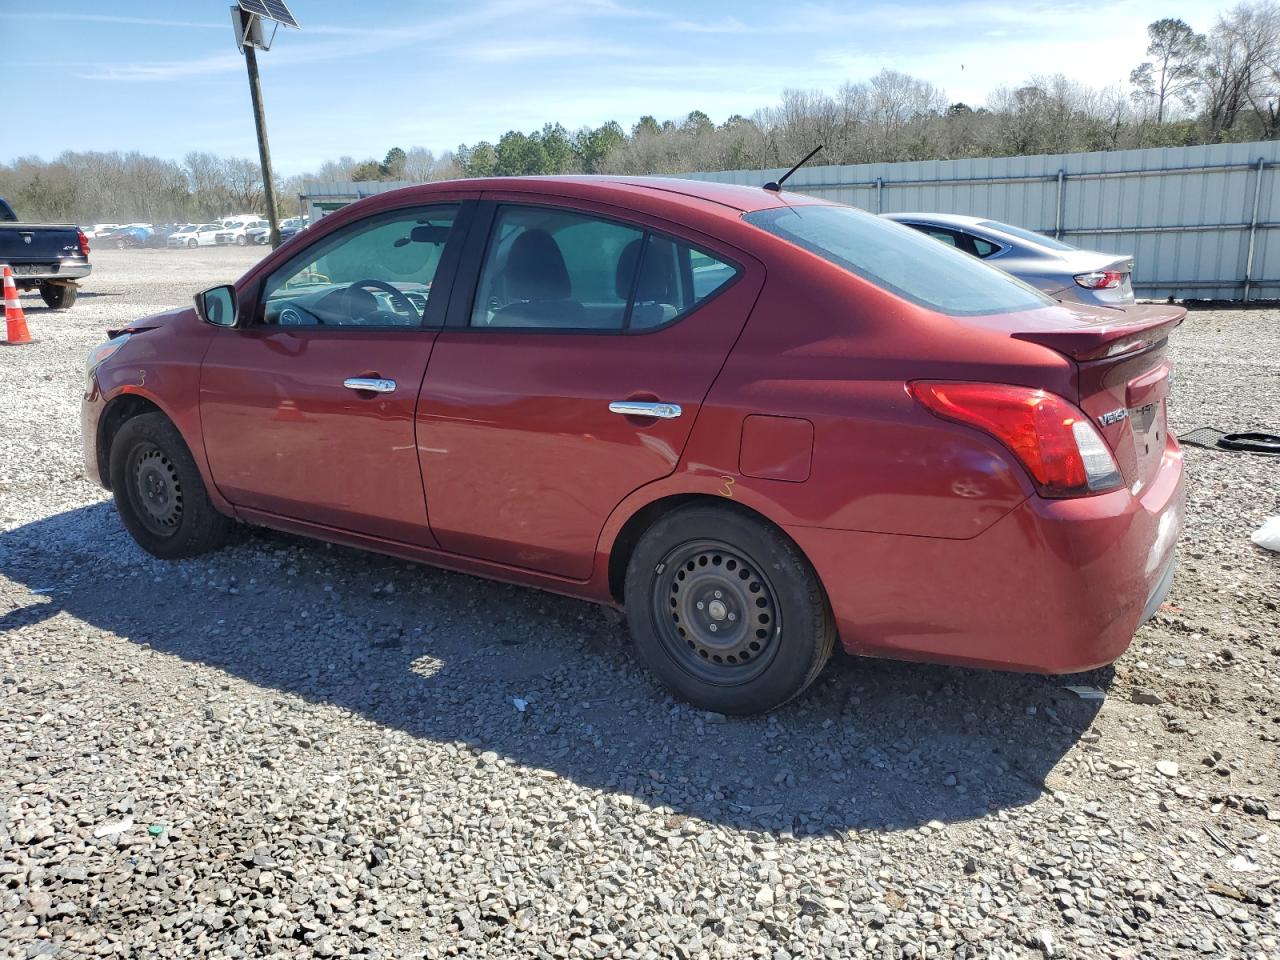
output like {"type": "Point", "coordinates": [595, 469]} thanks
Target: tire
{"type": "Point", "coordinates": [159, 493]}
{"type": "Point", "coordinates": [727, 611]}
{"type": "Point", "coordinates": [241, 241]}
{"type": "Point", "coordinates": [59, 296]}
{"type": "Point", "coordinates": [193, 244]}
{"type": "Point", "coordinates": [120, 244]}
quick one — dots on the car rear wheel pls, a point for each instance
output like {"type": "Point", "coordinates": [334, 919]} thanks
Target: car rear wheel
{"type": "Point", "coordinates": [159, 493]}
{"type": "Point", "coordinates": [58, 296]}
{"type": "Point", "coordinates": [241, 240]}
{"type": "Point", "coordinates": [193, 243]}
{"type": "Point", "coordinates": [727, 611]}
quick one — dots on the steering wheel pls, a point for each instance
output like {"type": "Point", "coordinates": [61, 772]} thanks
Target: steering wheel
{"type": "Point", "coordinates": [396, 295]}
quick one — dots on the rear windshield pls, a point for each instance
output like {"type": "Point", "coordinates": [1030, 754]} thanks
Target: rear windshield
{"type": "Point", "coordinates": [1030, 236]}
{"type": "Point", "coordinates": [901, 260]}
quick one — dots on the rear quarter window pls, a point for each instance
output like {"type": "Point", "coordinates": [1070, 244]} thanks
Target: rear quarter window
{"type": "Point", "coordinates": [899, 259]}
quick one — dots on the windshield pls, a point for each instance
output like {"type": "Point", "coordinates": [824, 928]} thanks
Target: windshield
{"type": "Point", "coordinates": [901, 260]}
{"type": "Point", "coordinates": [1029, 236]}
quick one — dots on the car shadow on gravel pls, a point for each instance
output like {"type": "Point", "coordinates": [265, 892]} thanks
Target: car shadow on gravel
{"type": "Point", "coordinates": [551, 683]}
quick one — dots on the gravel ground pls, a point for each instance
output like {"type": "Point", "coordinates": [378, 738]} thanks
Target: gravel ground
{"type": "Point", "coordinates": [290, 749]}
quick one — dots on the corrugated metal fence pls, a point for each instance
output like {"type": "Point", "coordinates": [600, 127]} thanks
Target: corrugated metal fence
{"type": "Point", "coordinates": [1201, 222]}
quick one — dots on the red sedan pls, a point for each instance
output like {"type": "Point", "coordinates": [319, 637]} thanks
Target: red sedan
{"type": "Point", "coordinates": [761, 422]}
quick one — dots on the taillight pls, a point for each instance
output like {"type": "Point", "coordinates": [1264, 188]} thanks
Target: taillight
{"type": "Point", "coordinates": [1051, 437]}
{"type": "Point", "coordinates": [1101, 280]}
{"type": "Point", "coordinates": [84, 243]}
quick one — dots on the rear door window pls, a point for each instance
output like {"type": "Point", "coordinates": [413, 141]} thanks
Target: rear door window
{"type": "Point", "coordinates": [904, 262]}
{"type": "Point", "coordinates": [1029, 236]}
{"type": "Point", "coordinates": [959, 239]}
{"type": "Point", "coordinates": [562, 270]}
{"type": "Point", "coordinates": [982, 248]}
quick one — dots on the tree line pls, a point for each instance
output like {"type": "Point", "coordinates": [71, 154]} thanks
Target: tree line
{"type": "Point", "coordinates": [1193, 88]}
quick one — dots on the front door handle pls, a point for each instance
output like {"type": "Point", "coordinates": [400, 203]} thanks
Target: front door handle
{"type": "Point", "coordinates": [369, 384]}
{"type": "Point", "coordinates": [636, 408]}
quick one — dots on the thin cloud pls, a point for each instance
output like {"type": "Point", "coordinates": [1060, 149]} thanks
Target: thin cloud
{"type": "Point", "coordinates": [364, 41]}
{"type": "Point", "coordinates": [726, 25]}
{"type": "Point", "coordinates": [111, 18]}
{"type": "Point", "coordinates": [541, 50]}
{"type": "Point", "coordinates": [167, 70]}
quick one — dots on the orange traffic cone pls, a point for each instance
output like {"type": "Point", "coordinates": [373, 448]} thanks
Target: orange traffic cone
{"type": "Point", "coordinates": [15, 321]}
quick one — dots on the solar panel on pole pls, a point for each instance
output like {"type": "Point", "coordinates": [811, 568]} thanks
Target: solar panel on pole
{"type": "Point", "coordinates": [270, 9]}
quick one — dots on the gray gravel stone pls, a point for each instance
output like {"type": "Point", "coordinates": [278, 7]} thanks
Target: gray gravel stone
{"type": "Point", "coordinates": [328, 741]}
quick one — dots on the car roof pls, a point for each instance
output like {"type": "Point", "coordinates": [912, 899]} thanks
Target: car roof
{"type": "Point", "coordinates": [942, 219]}
{"type": "Point", "coordinates": [729, 196]}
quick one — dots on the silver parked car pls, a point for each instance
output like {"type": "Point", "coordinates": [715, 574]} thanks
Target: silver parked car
{"type": "Point", "coordinates": [1062, 271]}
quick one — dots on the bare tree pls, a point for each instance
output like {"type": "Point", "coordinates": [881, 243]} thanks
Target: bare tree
{"type": "Point", "coordinates": [243, 178]}
{"type": "Point", "coordinates": [1174, 72]}
{"type": "Point", "coordinates": [1239, 67]}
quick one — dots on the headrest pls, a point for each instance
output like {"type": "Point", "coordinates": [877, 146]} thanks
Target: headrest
{"type": "Point", "coordinates": [655, 284]}
{"type": "Point", "coordinates": [535, 268]}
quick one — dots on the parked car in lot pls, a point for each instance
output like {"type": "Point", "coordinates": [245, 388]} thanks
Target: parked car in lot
{"type": "Point", "coordinates": [129, 237]}
{"type": "Point", "coordinates": [160, 236]}
{"type": "Point", "coordinates": [203, 235]}
{"type": "Point", "coordinates": [1062, 271]}
{"type": "Point", "coordinates": [288, 230]}
{"type": "Point", "coordinates": [45, 257]}
{"type": "Point", "coordinates": [97, 230]}
{"type": "Point", "coordinates": [237, 230]}
{"type": "Point", "coordinates": [762, 422]}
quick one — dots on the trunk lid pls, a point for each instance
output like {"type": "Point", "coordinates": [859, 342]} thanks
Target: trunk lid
{"type": "Point", "coordinates": [1124, 375]}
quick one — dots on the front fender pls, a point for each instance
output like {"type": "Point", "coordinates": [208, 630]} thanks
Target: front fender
{"type": "Point", "coordinates": [173, 389]}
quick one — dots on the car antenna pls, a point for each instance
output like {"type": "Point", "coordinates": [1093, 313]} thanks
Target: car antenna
{"type": "Point", "coordinates": [776, 185]}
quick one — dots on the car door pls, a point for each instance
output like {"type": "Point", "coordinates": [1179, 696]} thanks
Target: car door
{"type": "Point", "coordinates": [308, 410]}
{"type": "Point", "coordinates": [580, 343]}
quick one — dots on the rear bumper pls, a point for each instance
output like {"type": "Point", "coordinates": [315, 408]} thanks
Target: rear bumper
{"type": "Point", "coordinates": [76, 269]}
{"type": "Point", "coordinates": [1056, 586]}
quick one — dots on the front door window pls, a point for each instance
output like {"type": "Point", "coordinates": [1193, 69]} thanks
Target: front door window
{"type": "Point", "coordinates": [377, 273]}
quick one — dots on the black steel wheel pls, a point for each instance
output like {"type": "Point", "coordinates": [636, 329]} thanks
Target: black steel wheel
{"type": "Point", "coordinates": [158, 490]}
{"type": "Point", "coordinates": [155, 489]}
{"type": "Point", "coordinates": [726, 610]}
{"type": "Point", "coordinates": [717, 614]}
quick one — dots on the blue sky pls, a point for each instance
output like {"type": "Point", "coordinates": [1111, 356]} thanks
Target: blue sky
{"type": "Point", "coordinates": [365, 75]}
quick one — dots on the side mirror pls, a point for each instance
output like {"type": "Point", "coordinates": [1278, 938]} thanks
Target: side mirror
{"type": "Point", "coordinates": [217, 305]}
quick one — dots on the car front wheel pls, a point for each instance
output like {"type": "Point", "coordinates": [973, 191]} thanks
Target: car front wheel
{"type": "Point", "coordinates": [727, 611]}
{"type": "Point", "coordinates": [193, 243]}
{"type": "Point", "coordinates": [159, 492]}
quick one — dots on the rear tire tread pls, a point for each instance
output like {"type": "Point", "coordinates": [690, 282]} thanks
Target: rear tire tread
{"type": "Point", "coordinates": [59, 296]}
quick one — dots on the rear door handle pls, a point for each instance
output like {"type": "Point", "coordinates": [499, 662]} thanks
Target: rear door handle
{"type": "Point", "coordinates": [635, 408]}
{"type": "Point", "coordinates": [369, 384]}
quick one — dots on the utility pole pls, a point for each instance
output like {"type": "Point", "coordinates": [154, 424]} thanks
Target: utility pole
{"type": "Point", "coordinates": [264, 149]}
{"type": "Point", "coordinates": [247, 17]}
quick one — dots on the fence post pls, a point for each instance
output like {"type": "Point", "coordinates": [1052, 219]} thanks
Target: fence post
{"type": "Point", "coordinates": [1057, 222]}
{"type": "Point", "coordinates": [1253, 229]}
{"type": "Point", "coordinates": [879, 202]}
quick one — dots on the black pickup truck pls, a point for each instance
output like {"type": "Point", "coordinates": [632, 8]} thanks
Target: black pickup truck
{"type": "Point", "coordinates": [47, 257]}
